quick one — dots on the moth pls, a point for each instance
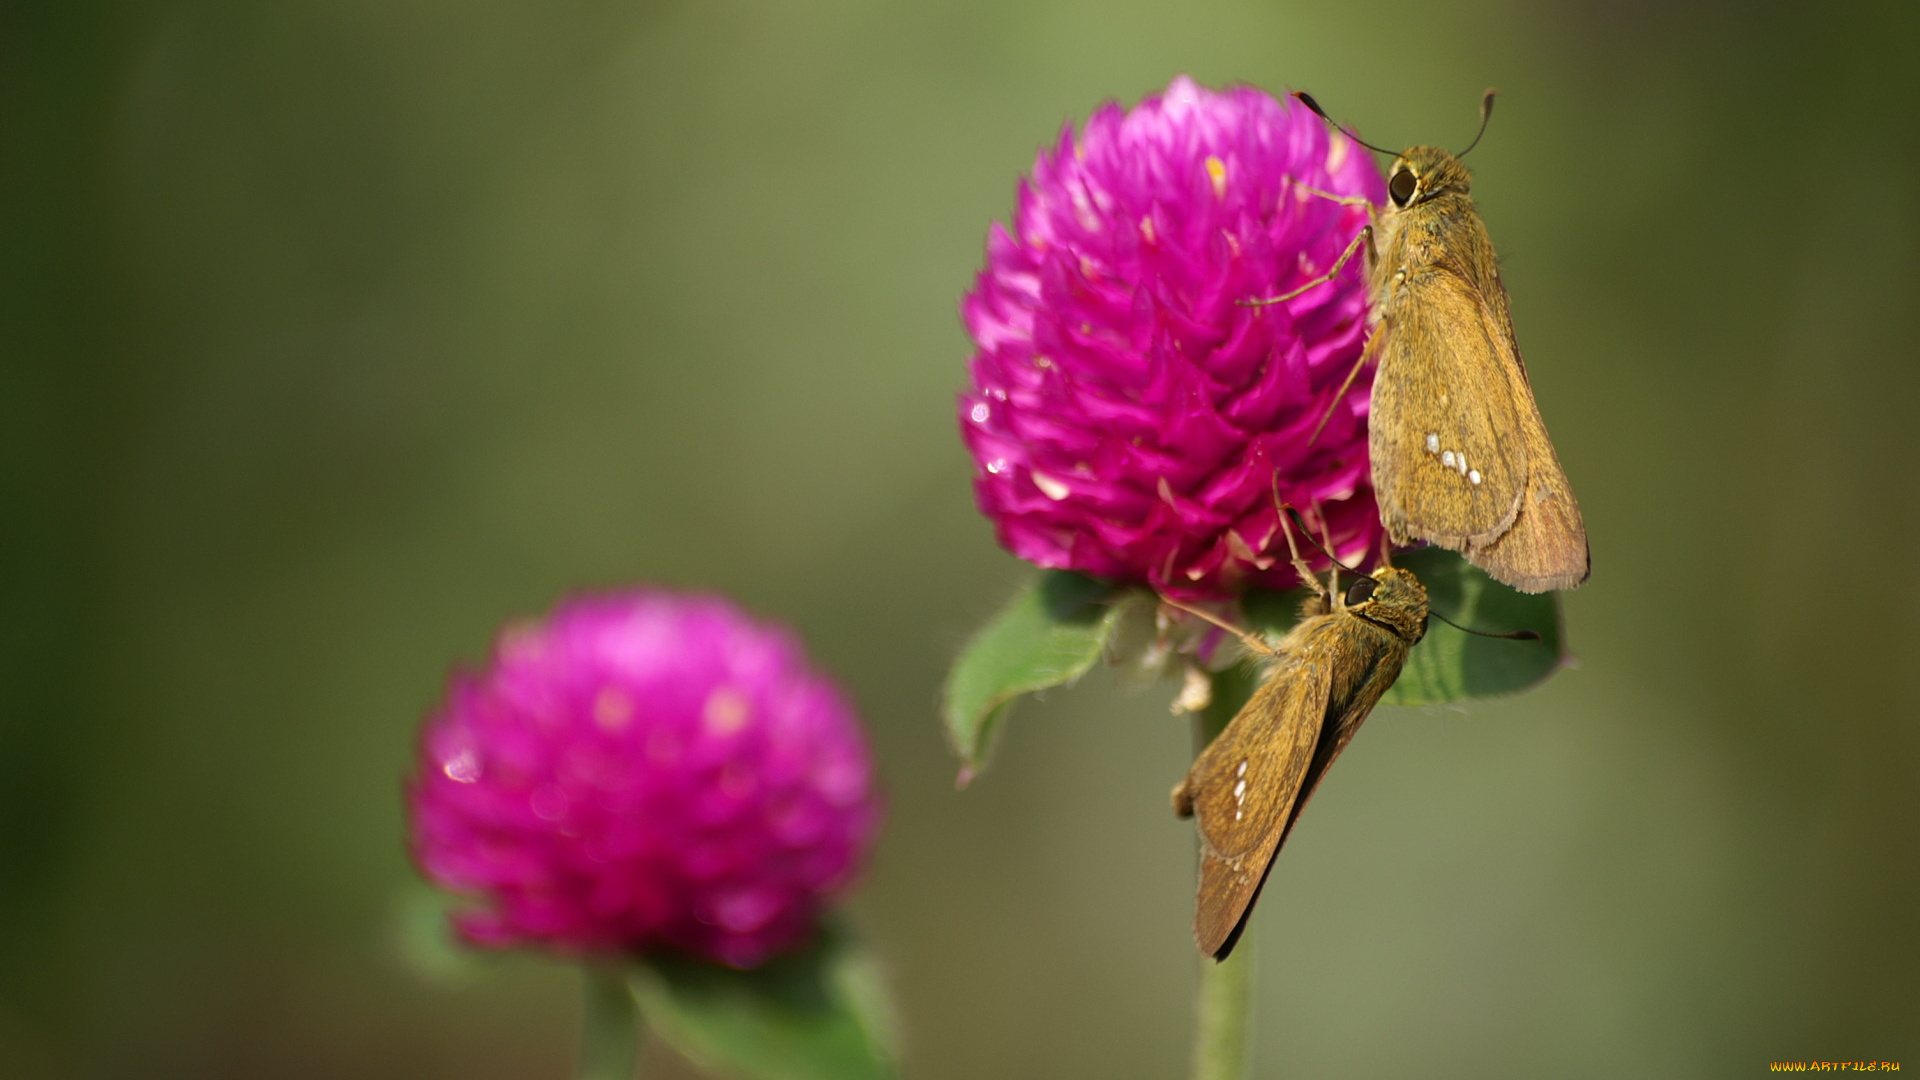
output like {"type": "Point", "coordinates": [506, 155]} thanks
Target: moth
{"type": "Point", "coordinates": [1460, 455]}
{"type": "Point", "coordinates": [1246, 789]}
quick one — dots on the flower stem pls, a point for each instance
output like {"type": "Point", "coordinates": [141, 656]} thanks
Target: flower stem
{"type": "Point", "coordinates": [609, 1025]}
{"type": "Point", "coordinates": [1223, 1014]}
{"type": "Point", "coordinates": [1223, 1004]}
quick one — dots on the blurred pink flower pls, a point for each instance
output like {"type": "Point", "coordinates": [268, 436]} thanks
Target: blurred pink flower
{"type": "Point", "coordinates": [1127, 416]}
{"type": "Point", "coordinates": [639, 770]}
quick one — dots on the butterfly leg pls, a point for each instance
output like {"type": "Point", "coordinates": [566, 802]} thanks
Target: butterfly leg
{"type": "Point", "coordinates": [1343, 200]}
{"type": "Point", "coordinates": [1252, 643]}
{"type": "Point", "coordinates": [1352, 374]}
{"type": "Point", "coordinates": [1365, 235]}
{"type": "Point", "coordinates": [1300, 567]}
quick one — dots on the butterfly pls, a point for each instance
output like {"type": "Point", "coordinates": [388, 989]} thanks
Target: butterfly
{"type": "Point", "coordinates": [1460, 456]}
{"type": "Point", "coordinates": [1246, 789]}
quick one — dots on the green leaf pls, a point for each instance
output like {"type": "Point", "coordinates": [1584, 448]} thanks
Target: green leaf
{"type": "Point", "coordinates": [1048, 635]}
{"type": "Point", "coordinates": [1271, 613]}
{"type": "Point", "coordinates": [1452, 665]}
{"type": "Point", "coordinates": [423, 939]}
{"type": "Point", "coordinates": [609, 1026]}
{"type": "Point", "coordinates": [1449, 665]}
{"type": "Point", "coordinates": [816, 1014]}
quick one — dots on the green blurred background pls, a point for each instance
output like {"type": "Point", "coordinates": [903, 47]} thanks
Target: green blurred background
{"type": "Point", "coordinates": [335, 332]}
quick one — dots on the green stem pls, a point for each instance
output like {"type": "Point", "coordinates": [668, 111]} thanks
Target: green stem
{"type": "Point", "coordinates": [1223, 1005]}
{"type": "Point", "coordinates": [1223, 1015]}
{"type": "Point", "coordinates": [609, 1024]}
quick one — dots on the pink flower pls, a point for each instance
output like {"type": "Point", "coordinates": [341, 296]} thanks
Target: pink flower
{"type": "Point", "coordinates": [639, 770]}
{"type": "Point", "coordinates": [1128, 415]}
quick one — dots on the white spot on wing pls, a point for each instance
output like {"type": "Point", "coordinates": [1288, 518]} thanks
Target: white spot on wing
{"type": "Point", "coordinates": [1433, 442]}
{"type": "Point", "coordinates": [1447, 459]}
{"type": "Point", "coordinates": [1473, 475]}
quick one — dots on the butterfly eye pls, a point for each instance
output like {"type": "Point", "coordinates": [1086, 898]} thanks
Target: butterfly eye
{"type": "Point", "coordinates": [1360, 591]}
{"type": "Point", "coordinates": [1402, 187]}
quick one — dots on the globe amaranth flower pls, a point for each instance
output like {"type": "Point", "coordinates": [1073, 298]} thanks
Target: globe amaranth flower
{"type": "Point", "coordinates": [643, 770]}
{"type": "Point", "coordinates": [1129, 414]}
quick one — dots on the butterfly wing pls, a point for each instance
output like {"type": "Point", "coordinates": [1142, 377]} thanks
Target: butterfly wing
{"type": "Point", "coordinates": [1460, 455]}
{"type": "Point", "coordinates": [1547, 546]}
{"type": "Point", "coordinates": [1447, 466]}
{"type": "Point", "coordinates": [1243, 787]}
{"type": "Point", "coordinates": [1347, 708]}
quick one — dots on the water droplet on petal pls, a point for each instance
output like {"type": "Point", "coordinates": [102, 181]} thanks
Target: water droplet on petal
{"type": "Point", "coordinates": [463, 767]}
{"type": "Point", "coordinates": [1051, 488]}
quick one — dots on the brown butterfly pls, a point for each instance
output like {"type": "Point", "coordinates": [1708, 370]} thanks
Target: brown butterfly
{"type": "Point", "coordinates": [1247, 788]}
{"type": "Point", "coordinates": [1460, 456]}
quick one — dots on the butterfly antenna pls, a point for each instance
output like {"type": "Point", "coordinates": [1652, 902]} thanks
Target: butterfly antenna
{"type": "Point", "coordinates": [1295, 514]}
{"type": "Point", "coordinates": [1511, 635]}
{"type": "Point", "coordinates": [1326, 544]}
{"type": "Point", "coordinates": [1307, 100]}
{"type": "Point", "coordinates": [1486, 113]}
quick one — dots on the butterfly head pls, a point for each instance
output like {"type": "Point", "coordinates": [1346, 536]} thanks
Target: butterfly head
{"type": "Point", "coordinates": [1423, 172]}
{"type": "Point", "coordinates": [1391, 598]}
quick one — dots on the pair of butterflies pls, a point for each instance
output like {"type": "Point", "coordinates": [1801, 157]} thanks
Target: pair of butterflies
{"type": "Point", "coordinates": [1460, 459]}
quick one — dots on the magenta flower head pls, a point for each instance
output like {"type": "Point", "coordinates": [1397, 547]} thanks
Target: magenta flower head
{"type": "Point", "coordinates": [1129, 416]}
{"type": "Point", "coordinates": [643, 770]}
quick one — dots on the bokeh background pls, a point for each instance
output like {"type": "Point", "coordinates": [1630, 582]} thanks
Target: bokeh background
{"type": "Point", "coordinates": [336, 331]}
